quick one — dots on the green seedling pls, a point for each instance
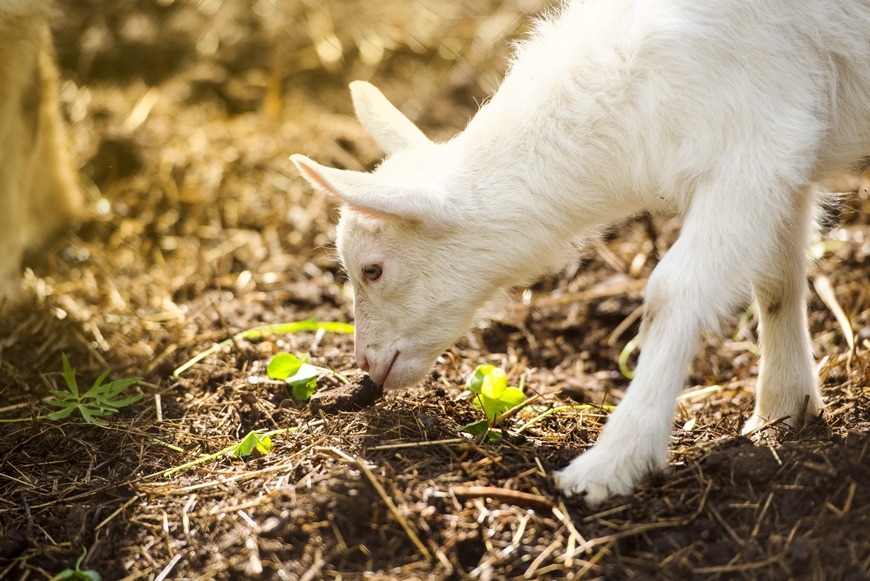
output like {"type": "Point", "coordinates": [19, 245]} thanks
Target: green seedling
{"type": "Point", "coordinates": [299, 374]}
{"type": "Point", "coordinates": [99, 401]}
{"type": "Point", "coordinates": [493, 395]}
{"type": "Point", "coordinates": [244, 448]}
{"type": "Point", "coordinates": [263, 331]}
{"type": "Point", "coordinates": [78, 574]}
{"type": "Point", "coordinates": [250, 443]}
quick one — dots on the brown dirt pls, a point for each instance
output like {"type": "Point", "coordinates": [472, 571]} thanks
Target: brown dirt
{"type": "Point", "coordinates": [360, 392]}
{"type": "Point", "coordinates": [183, 115]}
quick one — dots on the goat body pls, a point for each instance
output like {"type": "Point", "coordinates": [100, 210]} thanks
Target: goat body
{"type": "Point", "coordinates": [725, 112]}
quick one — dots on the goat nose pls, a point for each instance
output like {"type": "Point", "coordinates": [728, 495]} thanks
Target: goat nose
{"type": "Point", "coordinates": [362, 362]}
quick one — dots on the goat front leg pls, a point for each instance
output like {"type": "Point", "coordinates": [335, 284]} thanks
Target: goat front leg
{"type": "Point", "coordinates": [634, 443]}
{"type": "Point", "coordinates": [701, 279]}
{"type": "Point", "coordinates": [787, 383]}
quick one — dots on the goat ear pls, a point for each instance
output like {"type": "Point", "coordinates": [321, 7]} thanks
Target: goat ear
{"type": "Point", "coordinates": [387, 125]}
{"type": "Point", "coordinates": [373, 196]}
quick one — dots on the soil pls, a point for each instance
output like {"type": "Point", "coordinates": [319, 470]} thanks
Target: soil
{"type": "Point", "coordinates": [182, 116]}
{"type": "Point", "coordinates": [359, 393]}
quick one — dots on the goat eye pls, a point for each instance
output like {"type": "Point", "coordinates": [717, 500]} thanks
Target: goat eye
{"type": "Point", "coordinates": [372, 272]}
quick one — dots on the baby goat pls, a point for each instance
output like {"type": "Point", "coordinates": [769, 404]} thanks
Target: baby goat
{"type": "Point", "coordinates": [726, 112]}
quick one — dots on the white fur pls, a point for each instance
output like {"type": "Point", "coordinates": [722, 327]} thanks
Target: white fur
{"type": "Point", "coordinates": [38, 191]}
{"type": "Point", "coordinates": [726, 112]}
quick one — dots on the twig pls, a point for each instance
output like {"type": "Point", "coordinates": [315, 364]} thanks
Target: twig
{"type": "Point", "coordinates": [624, 325]}
{"type": "Point", "coordinates": [506, 495]}
{"type": "Point", "coordinates": [595, 558]}
{"type": "Point", "coordinates": [757, 526]}
{"type": "Point", "coordinates": [530, 572]}
{"type": "Point", "coordinates": [168, 569]}
{"type": "Point", "coordinates": [598, 292]}
{"type": "Point", "coordinates": [561, 513]}
{"type": "Point", "coordinates": [106, 520]}
{"type": "Point", "coordinates": [766, 425]}
{"type": "Point", "coordinates": [419, 444]}
{"type": "Point", "coordinates": [501, 418]}
{"type": "Point", "coordinates": [737, 568]}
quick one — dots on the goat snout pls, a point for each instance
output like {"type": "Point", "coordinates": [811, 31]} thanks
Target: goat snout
{"type": "Point", "coordinates": [362, 361]}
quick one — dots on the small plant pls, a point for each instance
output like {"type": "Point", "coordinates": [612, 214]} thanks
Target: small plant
{"type": "Point", "coordinates": [493, 395]}
{"type": "Point", "coordinates": [298, 373]}
{"type": "Point", "coordinates": [99, 401]}
{"type": "Point", "coordinates": [250, 444]}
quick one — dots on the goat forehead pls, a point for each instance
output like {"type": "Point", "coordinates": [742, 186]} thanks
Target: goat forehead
{"type": "Point", "coordinates": [361, 240]}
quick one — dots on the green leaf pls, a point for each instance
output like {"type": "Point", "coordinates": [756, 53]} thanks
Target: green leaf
{"type": "Point", "coordinates": [475, 428]}
{"type": "Point", "coordinates": [300, 375]}
{"type": "Point", "coordinates": [97, 401]}
{"type": "Point", "coordinates": [61, 414]}
{"type": "Point", "coordinates": [250, 443]}
{"type": "Point", "coordinates": [69, 376]}
{"type": "Point", "coordinates": [98, 385]}
{"type": "Point", "coordinates": [493, 393]}
{"type": "Point", "coordinates": [494, 406]}
{"type": "Point", "coordinates": [284, 365]}
{"type": "Point", "coordinates": [77, 575]}
{"type": "Point", "coordinates": [61, 399]}
{"type": "Point", "coordinates": [303, 390]}
{"type": "Point", "coordinates": [481, 427]}
{"type": "Point", "coordinates": [126, 401]}
{"type": "Point", "coordinates": [89, 416]}
{"type": "Point", "coordinates": [475, 382]}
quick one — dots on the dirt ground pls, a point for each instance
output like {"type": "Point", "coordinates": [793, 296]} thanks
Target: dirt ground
{"type": "Point", "coordinates": [182, 117]}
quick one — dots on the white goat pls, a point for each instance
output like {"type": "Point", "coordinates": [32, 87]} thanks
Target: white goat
{"type": "Point", "coordinates": [38, 191]}
{"type": "Point", "coordinates": [725, 112]}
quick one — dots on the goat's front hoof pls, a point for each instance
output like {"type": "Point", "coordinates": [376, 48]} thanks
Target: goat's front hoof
{"type": "Point", "coordinates": [597, 475]}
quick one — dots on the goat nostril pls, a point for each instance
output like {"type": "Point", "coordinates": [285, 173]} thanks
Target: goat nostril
{"type": "Point", "coordinates": [363, 363]}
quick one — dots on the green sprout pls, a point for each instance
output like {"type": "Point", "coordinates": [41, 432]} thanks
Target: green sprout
{"type": "Point", "coordinates": [298, 373]}
{"type": "Point", "coordinates": [244, 448]}
{"type": "Point", "coordinates": [98, 401]}
{"type": "Point", "coordinates": [251, 443]}
{"type": "Point", "coordinates": [493, 395]}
